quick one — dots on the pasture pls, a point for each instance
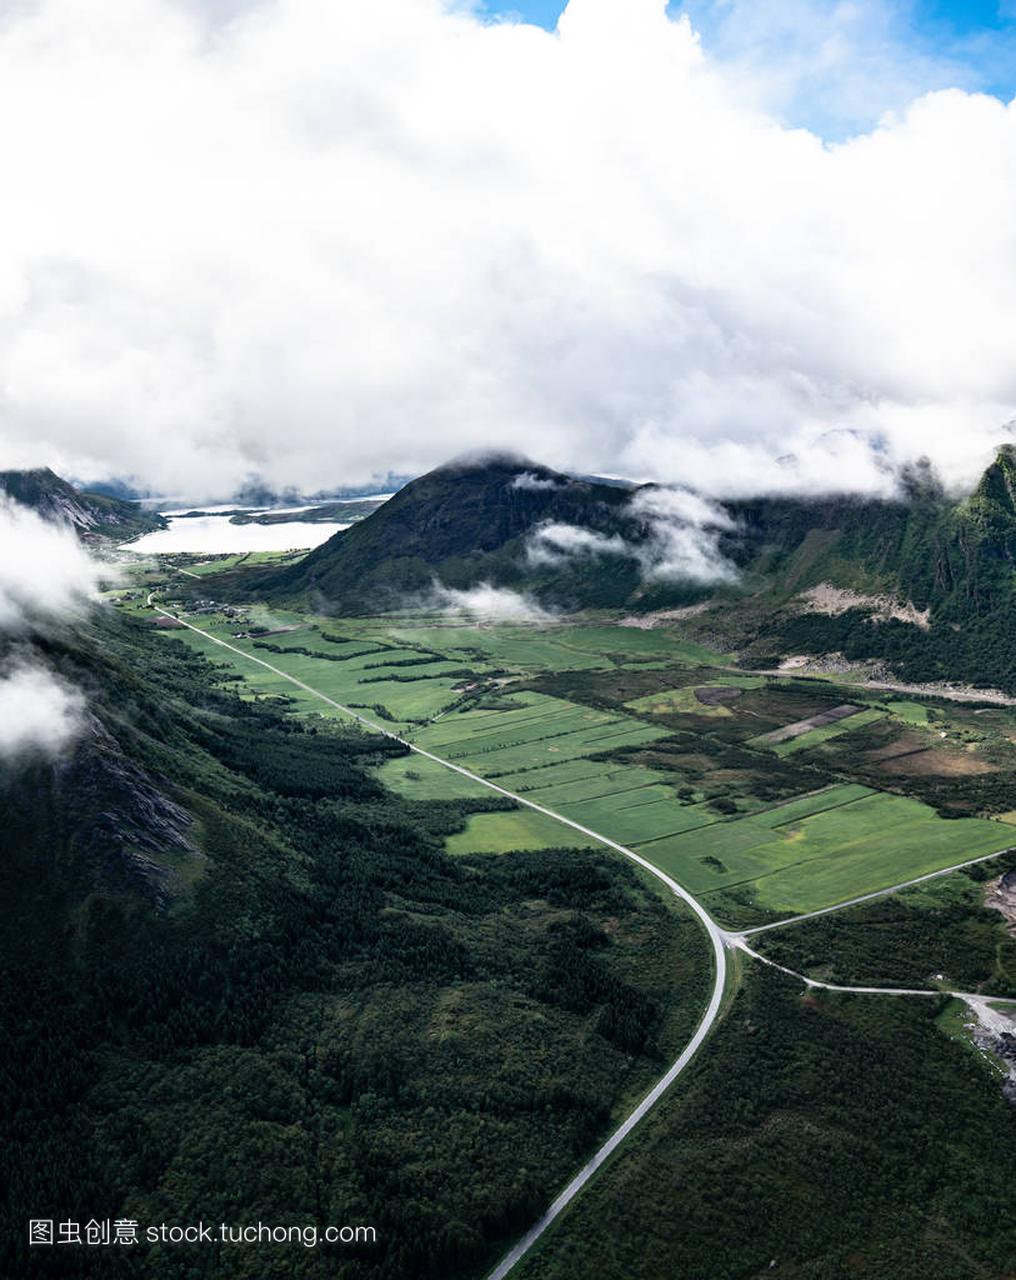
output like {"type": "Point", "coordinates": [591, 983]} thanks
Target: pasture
{"type": "Point", "coordinates": [516, 829]}
{"type": "Point", "coordinates": [813, 850]}
{"type": "Point", "coordinates": [849, 844]}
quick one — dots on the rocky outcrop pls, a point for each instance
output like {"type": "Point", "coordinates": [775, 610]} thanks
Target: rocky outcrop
{"type": "Point", "coordinates": [107, 824]}
{"type": "Point", "coordinates": [1000, 894]}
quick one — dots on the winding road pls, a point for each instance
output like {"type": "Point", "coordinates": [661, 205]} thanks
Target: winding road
{"type": "Point", "coordinates": [721, 940]}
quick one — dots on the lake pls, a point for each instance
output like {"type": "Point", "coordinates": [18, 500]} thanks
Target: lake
{"type": "Point", "coordinates": [215, 534]}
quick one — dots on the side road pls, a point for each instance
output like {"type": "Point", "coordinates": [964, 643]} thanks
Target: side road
{"type": "Point", "coordinates": [969, 997]}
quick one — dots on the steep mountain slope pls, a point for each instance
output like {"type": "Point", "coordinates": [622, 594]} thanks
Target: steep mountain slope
{"type": "Point", "coordinates": [955, 561]}
{"type": "Point", "coordinates": [90, 513]}
{"type": "Point", "coordinates": [954, 557]}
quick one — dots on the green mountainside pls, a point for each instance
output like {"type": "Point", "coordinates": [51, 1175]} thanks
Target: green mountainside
{"type": "Point", "coordinates": [90, 513]}
{"type": "Point", "coordinates": [954, 559]}
{"type": "Point", "coordinates": [467, 525]}
{"type": "Point", "coordinates": [462, 525]}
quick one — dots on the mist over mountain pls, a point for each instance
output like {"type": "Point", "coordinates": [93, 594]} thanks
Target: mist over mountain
{"type": "Point", "coordinates": [563, 543]}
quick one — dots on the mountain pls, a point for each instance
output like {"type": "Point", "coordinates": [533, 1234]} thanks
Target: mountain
{"type": "Point", "coordinates": [471, 523]}
{"type": "Point", "coordinates": [928, 583]}
{"type": "Point", "coordinates": [90, 513]}
{"type": "Point", "coordinates": [931, 580]}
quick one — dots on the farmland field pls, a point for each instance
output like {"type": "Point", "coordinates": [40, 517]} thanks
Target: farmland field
{"type": "Point", "coordinates": [517, 829]}
{"type": "Point", "coordinates": [824, 732]}
{"type": "Point", "coordinates": [597, 764]}
{"type": "Point", "coordinates": [800, 862]}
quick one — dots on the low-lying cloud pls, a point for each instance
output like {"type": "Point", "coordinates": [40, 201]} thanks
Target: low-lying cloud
{"type": "Point", "coordinates": [39, 713]}
{"type": "Point", "coordinates": [46, 575]}
{"type": "Point", "coordinates": [486, 603]}
{"type": "Point", "coordinates": [681, 542]}
{"type": "Point", "coordinates": [46, 579]}
{"type": "Point", "coordinates": [531, 481]}
{"type": "Point", "coordinates": [684, 541]}
{"type": "Point", "coordinates": [554, 542]}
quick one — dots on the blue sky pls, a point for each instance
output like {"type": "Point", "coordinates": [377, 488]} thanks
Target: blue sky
{"type": "Point", "coordinates": [887, 51]}
{"type": "Point", "coordinates": [961, 15]}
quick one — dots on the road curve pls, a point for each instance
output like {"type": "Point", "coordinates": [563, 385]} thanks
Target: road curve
{"type": "Point", "coordinates": [719, 938]}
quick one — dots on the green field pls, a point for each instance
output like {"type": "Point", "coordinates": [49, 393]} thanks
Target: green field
{"type": "Point", "coordinates": [417, 778]}
{"type": "Point", "coordinates": [816, 736]}
{"type": "Point", "coordinates": [683, 700]}
{"type": "Point", "coordinates": [804, 862]}
{"type": "Point", "coordinates": [516, 829]}
{"type": "Point", "coordinates": [812, 851]}
{"type": "Point", "coordinates": [909, 712]}
{"type": "Point", "coordinates": [220, 564]}
{"type": "Point", "coordinates": [669, 701]}
{"type": "Point", "coordinates": [355, 680]}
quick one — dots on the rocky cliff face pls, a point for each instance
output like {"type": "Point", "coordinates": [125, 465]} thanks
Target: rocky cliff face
{"type": "Point", "coordinates": [98, 822]}
{"type": "Point", "coordinates": [91, 514]}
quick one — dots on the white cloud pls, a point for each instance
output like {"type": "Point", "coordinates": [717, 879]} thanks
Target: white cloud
{"type": "Point", "coordinates": [529, 480]}
{"type": "Point", "coordinates": [321, 240]}
{"type": "Point", "coordinates": [38, 713]}
{"type": "Point", "coordinates": [681, 544]}
{"type": "Point", "coordinates": [45, 573]}
{"type": "Point", "coordinates": [684, 538]}
{"type": "Point", "coordinates": [486, 603]}
{"type": "Point", "coordinates": [553, 542]}
{"type": "Point", "coordinates": [680, 506]}
{"type": "Point", "coordinates": [46, 578]}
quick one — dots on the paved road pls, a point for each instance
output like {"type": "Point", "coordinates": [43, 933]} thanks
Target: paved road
{"type": "Point", "coordinates": [719, 939]}
{"type": "Point", "coordinates": [971, 997]}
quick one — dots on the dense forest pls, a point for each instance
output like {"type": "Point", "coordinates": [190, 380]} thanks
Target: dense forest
{"type": "Point", "coordinates": [242, 983]}
{"type": "Point", "coordinates": [941, 927]}
{"type": "Point", "coordinates": [823, 1136]}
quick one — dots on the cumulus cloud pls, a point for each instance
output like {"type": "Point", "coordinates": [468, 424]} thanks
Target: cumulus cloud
{"type": "Point", "coordinates": [45, 573]}
{"type": "Point", "coordinates": [319, 241]}
{"type": "Point", "coordinates": [39, 714]}
{"type": "Point", "coordinates": [486, 603]}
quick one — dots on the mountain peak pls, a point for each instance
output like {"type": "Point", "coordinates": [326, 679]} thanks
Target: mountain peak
{"type": "Point", "coordinates": [465, 522]}
{"type": "Point", "coordinates": [997, 487]}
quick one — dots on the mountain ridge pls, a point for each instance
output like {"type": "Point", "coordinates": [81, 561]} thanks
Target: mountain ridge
{"type": "Point", "coordinates": [486, 522]}
{"type": "Point", "coordinates": [91, 514]}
